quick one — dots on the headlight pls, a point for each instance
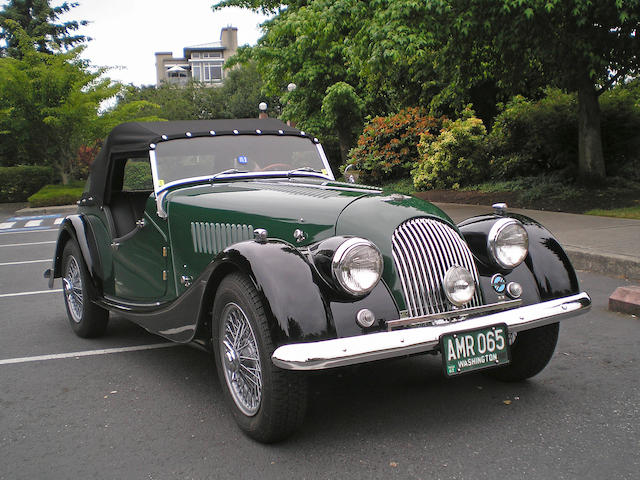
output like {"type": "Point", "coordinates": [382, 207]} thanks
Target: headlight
{"type": "Point", "coordinates": [459, 285]}
{"type": "Point", "coordinates": [508, 242]}
{"type": "Point", "coordinates": [357, 266]}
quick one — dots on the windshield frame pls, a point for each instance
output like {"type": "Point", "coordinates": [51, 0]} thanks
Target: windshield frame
{"type": "Point", "coordinates": [161, 190]}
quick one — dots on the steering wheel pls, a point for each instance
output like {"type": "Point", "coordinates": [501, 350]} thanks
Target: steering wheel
{"type": "Point", "coordinates": [272, 166]}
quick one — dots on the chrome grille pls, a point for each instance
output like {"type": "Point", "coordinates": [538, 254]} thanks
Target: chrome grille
{"type": "Point", "coordinates": [215, 237]}
{"type": "Point", "coordinates": [423, 251]}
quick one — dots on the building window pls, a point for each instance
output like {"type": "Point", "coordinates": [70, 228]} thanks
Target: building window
{"type": "Point", "coordinates": [211, 54]}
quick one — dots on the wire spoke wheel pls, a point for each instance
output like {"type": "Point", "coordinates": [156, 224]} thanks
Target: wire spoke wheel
{"type": "Point", "coordinates": [86, 318]}
{"type": "Point", "coordinates": [240, 359]}
{"type": "Point", "coordinates": [72, 285]}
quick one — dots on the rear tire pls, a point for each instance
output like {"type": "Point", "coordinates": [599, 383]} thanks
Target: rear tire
{"type": "Point", "coordinates": [267, 402]}
{"type": "Point", "coordinates": [86, 318]}
{"type": "Point", "coordinates": [530, 353]}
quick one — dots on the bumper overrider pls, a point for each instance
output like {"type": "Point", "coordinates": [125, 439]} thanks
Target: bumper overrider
{"type": "Point", "coordinates": [377, 346]}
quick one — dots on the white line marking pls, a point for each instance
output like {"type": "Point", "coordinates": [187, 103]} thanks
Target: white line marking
{"type": "Point", "coordinates": [87, 353]}
{"type": "Point", "coordinates": [21, 294]}
{"type": "Point", "coordinates": [32, 231]}
{"type": "Point", "coordinates": [33, 223]}
{"type": "Point", "coordinates": [7, 225]}
{"type": "Point", "coordinates": [22, 263]}
{"type": "Point", "coordinates": [23, 244]}
{"type": "Point", "coordinates": [58, 221]}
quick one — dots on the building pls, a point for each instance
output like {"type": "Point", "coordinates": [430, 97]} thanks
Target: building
{"type": "Point", "coordinates": [202, 63]}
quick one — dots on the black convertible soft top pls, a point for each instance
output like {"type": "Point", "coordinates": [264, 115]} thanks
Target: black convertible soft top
{"type": "Point", "coordinates": [137, 137]}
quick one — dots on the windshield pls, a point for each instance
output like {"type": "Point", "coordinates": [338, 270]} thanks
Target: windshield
{"type": "Point", "coordinates": [177, 160]}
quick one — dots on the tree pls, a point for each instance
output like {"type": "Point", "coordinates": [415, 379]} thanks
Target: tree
{"type": "Point", "coordinates": [39, 21]}
{"type": "Point", "coordinates": [579, 45]}
{"type": "Point", "coordinates": [342, 110]}
{"type": "Point", "coordinates": [49, 106]}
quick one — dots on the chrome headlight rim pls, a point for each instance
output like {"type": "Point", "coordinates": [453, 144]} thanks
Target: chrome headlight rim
{"type": "Point", "coordinates": [492, 241]}
{"type": "Point", "coordinates": [342, 253]}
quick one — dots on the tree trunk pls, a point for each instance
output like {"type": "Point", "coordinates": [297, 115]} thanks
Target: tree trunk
{"type": "Point", "coordinates": [590, 157]}
{"type": "Point", "coordinates": [344, 140]}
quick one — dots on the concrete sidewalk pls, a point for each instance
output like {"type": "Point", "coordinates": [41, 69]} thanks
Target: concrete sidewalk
{"type": "Point", "coordinates": [606, 245]}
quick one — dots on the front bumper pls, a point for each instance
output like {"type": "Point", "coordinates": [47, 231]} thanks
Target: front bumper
{"type": "Point", "coordinates": [376, 346]}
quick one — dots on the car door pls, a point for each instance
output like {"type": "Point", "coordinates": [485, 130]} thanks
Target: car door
{"type": "Point", "coordinates": [140, 243]}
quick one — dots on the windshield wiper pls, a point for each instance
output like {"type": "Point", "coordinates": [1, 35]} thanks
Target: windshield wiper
{"type": "Point", "coordinates": [229, 171]}
{"type": "Point", "coordinates": [304, 169]}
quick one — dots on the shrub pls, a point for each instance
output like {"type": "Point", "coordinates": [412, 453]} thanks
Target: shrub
{"type": "Point", "coordinates": [18, 183]}
{"type": "Point", "coordinates": [535, 137]}
{"type": "Point", "coordinates": [56, 195]}
{"type": "Point", "coordinates": [455, 158]}
{"type": "Point", "coordinates": [531, 138]}
{"type": "Point", "coordinates": [388, 147]}
{"type": "Point", "coordinates": [620, 120]}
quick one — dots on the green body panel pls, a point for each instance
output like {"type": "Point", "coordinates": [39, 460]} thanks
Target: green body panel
{"type": "Point", "coordinates": [139, 265]}
{"type": "Point", "coordinates": [320, 210]}
{"type": "Point", "coordinates": [280, 207]}
{"type": "Point", "coordinates": [135, 270]}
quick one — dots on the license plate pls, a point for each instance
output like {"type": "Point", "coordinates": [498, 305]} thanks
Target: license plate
{"type": "Point", "coordinates": [473, 350]}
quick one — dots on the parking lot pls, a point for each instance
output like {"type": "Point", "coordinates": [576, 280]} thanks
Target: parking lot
{"type": "Point", "coordinates": [130, 405]}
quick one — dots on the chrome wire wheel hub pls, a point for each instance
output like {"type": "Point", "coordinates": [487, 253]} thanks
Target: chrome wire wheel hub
{"type": "Point", "coordinates": [72, 286]}
{"type": "Point", "coordinates": [238, 350]}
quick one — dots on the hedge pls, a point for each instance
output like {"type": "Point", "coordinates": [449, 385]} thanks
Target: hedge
{"type": "Point", "coordinates": [56, 195]}
{"type": "Point", "coordinates": [18, 183]}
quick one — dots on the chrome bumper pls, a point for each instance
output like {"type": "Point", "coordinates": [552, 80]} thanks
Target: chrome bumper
{"type": "Point", "coordinates": [377, 346]}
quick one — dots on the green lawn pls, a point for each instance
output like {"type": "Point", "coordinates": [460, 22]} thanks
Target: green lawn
{"type": "Point", "coordinates": [629, 212]}
{"type": "Point", "coordinates": [56, 195]}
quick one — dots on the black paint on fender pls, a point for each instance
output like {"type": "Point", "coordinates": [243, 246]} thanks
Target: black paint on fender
{"type": "Point", "coordinates": [76, 227]}
{"type": "Point", "coordinates": [546, 269]}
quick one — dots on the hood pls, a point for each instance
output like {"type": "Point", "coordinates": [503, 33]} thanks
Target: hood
{"type": "Point", "coordinates": [280, 207]}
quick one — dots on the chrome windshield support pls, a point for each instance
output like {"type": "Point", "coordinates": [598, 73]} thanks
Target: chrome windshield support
{"type": "Point", "coordinates": [377, 346]}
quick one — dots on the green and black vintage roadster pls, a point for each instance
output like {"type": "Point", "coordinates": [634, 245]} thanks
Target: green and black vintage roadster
{"type": "Point", "coordinates": [234, 235]}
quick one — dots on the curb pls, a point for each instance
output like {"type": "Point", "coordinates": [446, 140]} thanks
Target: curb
{"type": "Point", "coordinates": [618, 265]}
{"type": "Point", "coordinates": [47, 210]}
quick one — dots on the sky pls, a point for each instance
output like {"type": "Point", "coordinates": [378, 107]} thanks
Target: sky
{"type": "Point", "coordinates": [127, 33]}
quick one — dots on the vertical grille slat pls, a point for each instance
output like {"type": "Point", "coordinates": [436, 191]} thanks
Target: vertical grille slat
{"type": "Point", "coordinates": [423, 250]}
{"type": "Point", "coordinates": [212, 238]}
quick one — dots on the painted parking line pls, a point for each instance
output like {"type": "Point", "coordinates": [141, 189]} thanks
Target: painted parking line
{"type": "Point", "coordinates": [87, 353]}
{"type": "Point", "coordinates": [6, 264]}
{"type": "Point", "coordinates": [26, 244]}
{"type": "Point", "coordinates": [33, 223]}
{"type": "Point", "coordinates": [22, 294]}
{"type": "Point", "coordinates": [30, 230]}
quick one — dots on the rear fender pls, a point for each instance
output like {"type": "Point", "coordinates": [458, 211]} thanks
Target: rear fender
{"type": "Point", "coordinates": [78, 229]}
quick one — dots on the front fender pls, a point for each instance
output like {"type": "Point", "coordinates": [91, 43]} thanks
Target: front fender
{"type": "Point", "coordinates": [547, 268]}
{"type": "Point", "coordinates": [78, 229]}
{"type": "Point", "coordinates": [290, 289]}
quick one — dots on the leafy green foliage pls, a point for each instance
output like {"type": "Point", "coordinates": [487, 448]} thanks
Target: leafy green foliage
{"type": "Point", "coordinates": [56, 195]}
{"type": "Point", "coordinates": [388, 146]}
{"type": "Point", "coordinates": [537, 136]}
{"type": "Point", "coordinates": [17, 183]}
{"type": "Point", "coordinates": [455, 158]}
{"type": "Point", "coordinates": [342, 110]}
{"type": "Point", "coordinates": [37, 18]}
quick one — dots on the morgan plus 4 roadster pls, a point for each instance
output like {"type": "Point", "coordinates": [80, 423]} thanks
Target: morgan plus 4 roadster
{"type": "Point", "coordinates": [234, 235]}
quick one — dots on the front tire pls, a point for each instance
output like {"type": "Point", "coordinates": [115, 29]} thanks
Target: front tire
{"type": "Point", "coordinates": [268, 403]}
{"type": "Point", "coordinates": [86, 318]}
{"type": "Point", "coordinates": [530, 353]}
